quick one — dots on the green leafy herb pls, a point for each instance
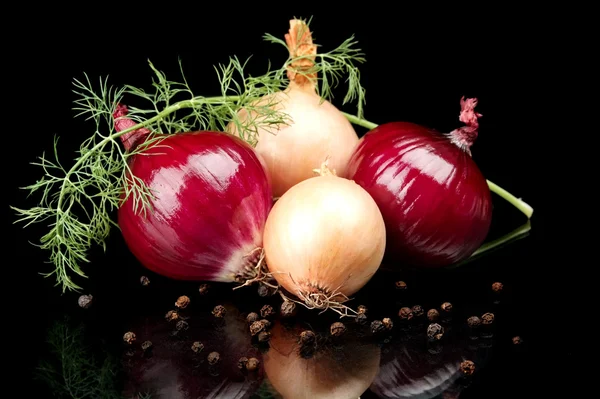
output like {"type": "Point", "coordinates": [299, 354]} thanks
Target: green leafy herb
{"type": "Point", "coordinates": [77, 201]}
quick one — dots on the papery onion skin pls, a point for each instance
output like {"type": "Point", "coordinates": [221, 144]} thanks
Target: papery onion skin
{"type": "Point", "coordinates": [434, 199]}
{"type": "Point", "coordinates": [212, 198]}
{"type": "Point", "coordinates": [314, 129]}
{"type": "Point", "coordinates": [324, 235]}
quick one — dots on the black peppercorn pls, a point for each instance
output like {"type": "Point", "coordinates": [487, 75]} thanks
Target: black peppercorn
{"type": "Point", "coordinates": [213, 358]}
{"type": "Point", "coordinates": [219, 311]}
{"type": "Point", "coordinates": [473, 321]}
{"type": "Point", "coordinates": [401, 285]}
{"type": "Point", "coordinates": [418, 311]}
{"type": "Point", "coordinates": [252, 364]}
{"type": "Point", "coordinates": [377, 326]}
{"type": "Point", "coordinates": [361, 319]}
{"type": "Point", "coordinates": [487, 319]}
{"type": "Point", "coordinates": [264, 336]}
{"type": "Point", "coordinates": [182, 302]}
{"type": "Point", "coordinates": [288, 309]}
{"type": "Point", "coordinates": [446, 307]}
{"type": "Point", "coordinates": [172, 315]}
{"type": "Point", "coordinates": [181, 325]}
{"type": "Point", "coordinates": [256, 327]}
{"type": "Point", "coordinates": [433, 315]}
{"type": "Point", "coordinates": [129, 337]}
{"type": "Point", "coordinates": [497, 287]}
{"type": "Point", "coordinates": [267, 311]}
{"type": "Point", "coordinates": [144, 281]}
{"type": "Point", "coordinates": [197, 347]}
{"type": "Point", "coordinates": [467, 367]}
{"type": "Point", "coordinates": [203, 289]}
{"type": "Point", "coordinates": [435, 332]}
{"type": "Point", "coordinates": [242, 363]}
{"type": "Point", "coordinates": [85, 301]}
{"type": "Point", "coordinates": [388, 323]}
{"type": "Point", "coordinates": [252, 317]}
{"type": "Point", "coordinates": [337, 329]}
{"type": "Point", "coordinates": [405, 313]}
{"type": "Point", "coordinates": [362, 309]}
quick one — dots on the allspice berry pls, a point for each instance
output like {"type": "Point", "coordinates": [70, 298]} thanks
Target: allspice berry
{"type": "Point", "coordinates": [473, 321]}
{"type": "Point", "coordinates": [85, 301]}
{"type": "Point", "coordinates": [144, 281]}
{"type": "Point", "coordinates": [362, 309]}
{"type": "Point", "coordinates": [252, 317]}
{"type": "Point", "coordinates": [252, 364]}
{"type": "Point", "coordinates": [401, 285]}
{"type": "Point", "coordinates": [172, 315]}
{"type": "Point", "coordinates": [267, 311]}
{"type": "Point", "coordinates": [219, 311]}
{"type": "Point", "coordinates": [242, 363]}
{"type": "Point", "coordinates": [497, 287]}
{"type": "Point", "coordinates": [435, 332]}
{"type": "Point", "coordinates": [197, 347]}
{"type": "Point", "coordinates": [467, 367]}
{"type": "Point", "coordinates": [433, 315]}
{"type": "Point", "coordinates": [129, 337]}
{"type": "Point", "coordinates": [405, 313]}
{"type": "Point", "coordinates": [377, 327]}
{"type": "Point", "coordinates": [387, 323]}
{"type": "Point", "coordinates": [256, 327]}
{"type": "Point", "coordinates": [487, 319]}
{"type": "Point", "coordinates": [213, 358]}
{"type": "Point", "coordinates": [446, 307]}
{"type": "Point", "coordinates": [203, 289]}
{"type": "Point", "coordinates": [182, 302]}
{"type": "Point", "coordinates": [337, 329]}
{"type": "Point", "coordinates": [418, 311]}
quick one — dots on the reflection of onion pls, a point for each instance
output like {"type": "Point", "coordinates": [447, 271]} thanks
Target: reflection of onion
{"type": "Point", "coordinates": [343, 372]}
{"type": "Point", "coordinates": [174, 371]}
{"type": "Point", "coordinates": [409, 371]}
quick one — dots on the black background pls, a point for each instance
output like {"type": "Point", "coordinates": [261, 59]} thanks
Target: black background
{"type": "Point", "coordinates": [417, 68]}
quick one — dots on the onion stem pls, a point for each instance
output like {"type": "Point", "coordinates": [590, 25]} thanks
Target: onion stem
{"type": "Point", "coordinates": [518, 203]}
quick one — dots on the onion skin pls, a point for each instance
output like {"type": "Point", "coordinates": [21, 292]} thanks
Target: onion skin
{"type": "Point", "coordinates": [435, 201]}
{"type": "Point", "coordinates": [324, 235]}
{"type": "Point", "coordinates": [212, 198]}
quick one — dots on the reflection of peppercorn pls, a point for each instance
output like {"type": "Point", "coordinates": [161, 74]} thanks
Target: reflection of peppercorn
{"type": "Point", "coordinates": [487, 318]}
{"type": "Point", "coordinates": [264, 336]}
{"type": "Point", "coordinates": [435, 332]}
{"type": "Point", "coordinates": [242, 363]}
{"type": "Point", "coordinates": [288, 309]}
{"type": "Point", "coordinates": [362, 309]}
{"type": "Point", "coordinates": [418, 311]}
{"type": "Point", "coordinates": [252, 317]}
{"type": "Point", "coordinates": [267, 311]}
{"type": "Point", "coordinates": [446, 307]}
{"type": "Point", "coordinates": [433, 315]}
{"type": "Point", "coordinates": [182, 302]}
{"type": "Point", "coordinates": [256, 328]}
{"type": "Point", "coordinates": [377, 326]}
{"type": "Point", "coordinates": [144, 281]}
{"type": "Point", "coordinates": [129, 337]}
{"type": "Point", "coordinates": [203, 289]}
{"type": "Point", "coordinates": [172, 315]}
{"type": "Point", "coordinates": [197, 347]}
{"type": "Point", "coordinates": [473, 321]}
{"type": "Point", "coordinates": [219, 311]}
{"type": "Point", "coordinates": [213, 358]}
{"type": "Point", "coordinates": [401, 285]}
{"type": "Point", "coordinates": [85, 301]}
{"type": "Point", "coordinates": [467, 367]}
{"type": "Point", "coordinates": [337, 329]}
{"type": "Point", "coordinates": [361, 319]}
{"type": "Point", "coordinates": [405, 313]}
{"type": "Point", "coordinates": [497, 287]}
{"type": "Point", "coordinates": [252, 364]}
{"type": "Point", "coordinates": [387, 323]}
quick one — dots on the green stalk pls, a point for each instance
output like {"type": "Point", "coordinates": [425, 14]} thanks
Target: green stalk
{"type": "Point", "coordinates": [521, 205]}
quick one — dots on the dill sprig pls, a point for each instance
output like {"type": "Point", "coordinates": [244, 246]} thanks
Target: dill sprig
{"type": "Point", "coordinates": [77, 202]}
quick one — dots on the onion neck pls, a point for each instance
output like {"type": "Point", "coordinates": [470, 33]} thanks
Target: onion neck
{"type": "Point", "coordinates": [130, 139]}
{"type": "Point", "coordinates": [465, 136]}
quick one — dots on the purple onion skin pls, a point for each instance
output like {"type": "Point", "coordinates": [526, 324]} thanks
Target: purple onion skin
{"type": "Point", "coordinates": [212, 198]}
{"type": "Point", "coordinates": [436, 203]}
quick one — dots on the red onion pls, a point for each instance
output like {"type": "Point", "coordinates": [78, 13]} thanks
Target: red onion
{"type": "Point", "coordinates": [211, 200]}
{"type": "Point", "coordinates": [434, 199]}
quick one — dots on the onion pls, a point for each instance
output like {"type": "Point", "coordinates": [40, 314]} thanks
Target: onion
{"type": "Point", "coordinates": [333, 373]}
{"type": "Point", "coordinates": [211, 200]}
{"type": "Point", "coordinates": [324, 239]}
{"type": "Point", "coordinates": [434, 199]}
{"type": "Point", "coordinates": [314, 129]}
